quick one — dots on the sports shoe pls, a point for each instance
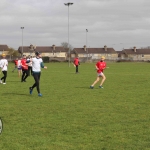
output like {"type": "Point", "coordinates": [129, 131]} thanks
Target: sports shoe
{"type": "Point", "coordinates": [91, 87]}
{"type": "Point", "coordinates": [1, 81]}
{"type": "Point", "coordinates": [30, 90]}
{"type": "Point", "coordinates": [4, 83]}
{"type": "Point", "coordinates": [101, 87]}
{"type": "Point", "coordinates": [39, 94]}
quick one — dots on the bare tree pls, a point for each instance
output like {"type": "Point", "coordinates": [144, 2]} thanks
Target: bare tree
{"type": "Point", "coordinates": [13, 52]}
{"type": "Point", "coordinates": [66, 46]}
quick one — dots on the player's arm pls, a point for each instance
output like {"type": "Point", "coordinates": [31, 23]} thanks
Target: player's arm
{"type": "Point", "coordinates": [42, 65]}
{"type": "Point", "coordinates": [96, 66]}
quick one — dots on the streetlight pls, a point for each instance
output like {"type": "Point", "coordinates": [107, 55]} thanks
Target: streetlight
{"type": "Point", "coordinates": [86, 43]}
{"type": "Point", "coordinates": [22, 40]}
{"type": "Point", "coordinates": [68, 4]}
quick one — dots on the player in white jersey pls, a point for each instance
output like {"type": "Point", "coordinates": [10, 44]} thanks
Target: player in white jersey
{"type": "Point", "coordinates": [19, 66]}
{"type": "Point", "coordinates": [3, 65]}
{"type": "Point", "coordinates": [37, 64]}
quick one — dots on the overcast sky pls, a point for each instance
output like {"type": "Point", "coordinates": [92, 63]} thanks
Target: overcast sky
{"type": "Point", "coordinates": [115, 23]}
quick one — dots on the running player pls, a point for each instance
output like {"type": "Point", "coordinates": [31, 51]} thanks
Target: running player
{"type": "Point", "coordinates": [37, 64]}
{"type": "Point", "coordinates": [100, 66]}
{"type": "Point", "coordinates": [3, 65]}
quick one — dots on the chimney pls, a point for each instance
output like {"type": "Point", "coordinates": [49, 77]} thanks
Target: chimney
{"type": "Point", "coordinates": [31, 47]}
{"type": "Point", "coordinates": [105, 48]}
{"type": "Point", "coordinates": [53, 47]}
{"type": "Point", "coordinates": [134, 49]}
{"type": "Point", "coordinates": [84, 47]}
{"type": "Point", "coordinates": [34, 47]}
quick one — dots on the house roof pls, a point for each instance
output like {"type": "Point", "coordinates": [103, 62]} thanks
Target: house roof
{"type": "Point", "coordinates": [95, 50]}
{"type": "Point", "coordinates": [42, 49]}
{"type": "Point", "coordinates": [138, 51]}
{"type": "Point", "coordinates": [3, 47]}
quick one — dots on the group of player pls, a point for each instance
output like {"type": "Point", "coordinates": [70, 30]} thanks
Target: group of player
{"type": "Point", "coordinates": [100, 67]}
{"type": "Point", "coordinates": [25, 65]}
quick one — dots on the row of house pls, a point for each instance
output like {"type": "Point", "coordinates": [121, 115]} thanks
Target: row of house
{"type": "Point", "coordinates": [60, 53]}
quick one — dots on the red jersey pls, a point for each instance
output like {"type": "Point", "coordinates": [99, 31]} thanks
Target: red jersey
{"type": "Point", "coordinates": [101, 65]}
{"type": "Point", "coordinates": [24, 64]}
{"type": "Point", "coordinates": [16, 62]}
{"type": "Point", "coordinates": [76, 61]}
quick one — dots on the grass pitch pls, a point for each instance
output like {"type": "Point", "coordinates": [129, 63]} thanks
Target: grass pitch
{"type": "Point", "coordinates": [71, 116]}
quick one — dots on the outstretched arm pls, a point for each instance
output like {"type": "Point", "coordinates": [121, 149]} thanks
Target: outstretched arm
{"type": "Point", "coordinates": [42, 66]}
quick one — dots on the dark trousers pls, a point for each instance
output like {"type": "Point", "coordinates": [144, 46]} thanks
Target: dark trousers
{"type": "Point", "coordinates": [37, 81]}
{"type": "Point", "coordinates": [5, 76]}
{"type": "Point", "coordinates": [24, 75]}
{"type": "Point", "coordinates": [76, 68]}
{"type": "Point", "coordinates": [29, 70]}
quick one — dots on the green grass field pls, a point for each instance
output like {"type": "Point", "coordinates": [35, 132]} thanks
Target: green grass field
{"type": "Point", "coordinates": [71, 116]}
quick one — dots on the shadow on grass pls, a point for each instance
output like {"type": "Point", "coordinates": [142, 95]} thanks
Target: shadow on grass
{"type": "Point", "coordinates": [85, 87]}
{"type": "Point", "coordinates": [16, 94]}
{"type": "Point", "coordinates": [13, 81]}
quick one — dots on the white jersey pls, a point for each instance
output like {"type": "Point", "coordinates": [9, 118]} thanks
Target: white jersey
{"type": "Point", "coordinates": [19, 63]}
{"type": "Point", "coordinates": [36, 64]}
{"type": "Point", "coordinates": [4, 64]}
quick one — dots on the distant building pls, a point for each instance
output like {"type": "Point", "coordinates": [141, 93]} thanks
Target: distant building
{"type": "Point", "coordinates": [134, 54]}
{"type": "Point", "coordinates": [94, 53]}
{"type": "Point", "coordinates": [53, 52]}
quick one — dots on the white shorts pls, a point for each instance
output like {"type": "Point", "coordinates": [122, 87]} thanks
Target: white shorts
{"type": "Point", "coordinates": [100, 74]}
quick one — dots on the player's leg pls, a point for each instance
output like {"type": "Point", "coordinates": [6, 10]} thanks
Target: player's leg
{"type": "Point", "coordinates": [97, 79]}
{"type": "Point", "coordinates": [38, 84]}
{"type": "Point", "coordinates": [26, 75]}
{"type": "Point", "coordinates": [5, 76]}
{"type": "Point", "coordinates": [35, 84]}
{"type": "Point", "coordinates": [103, 79]}
{"type": "Point", "coordinates": [19, 72]}
{"type": "Point", "coordinates": [23, 74]}
{"type": "Point", "coordinates": [29, 71]}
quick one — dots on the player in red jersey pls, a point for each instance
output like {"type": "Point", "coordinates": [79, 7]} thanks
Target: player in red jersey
{"type": "Point", "coordinates": [100, 66]}
{"type": "Point", "coordinates": [16, 62]}
{"type": "Point", "coordinates": [76, 64]}
{"type": "Point", "coordinates": [24, 68]}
